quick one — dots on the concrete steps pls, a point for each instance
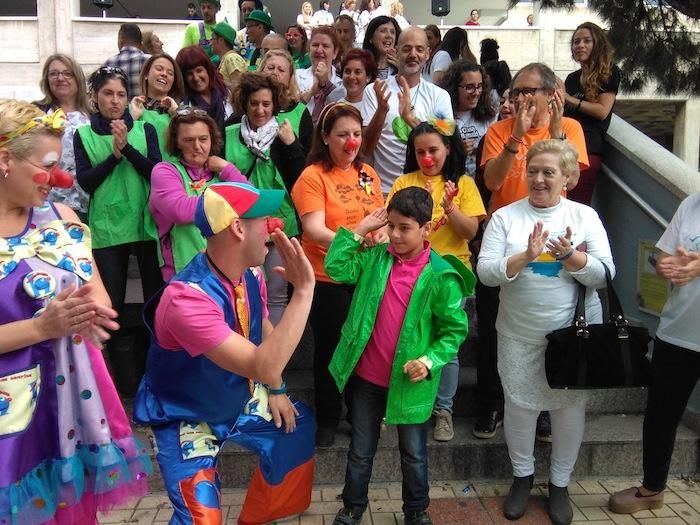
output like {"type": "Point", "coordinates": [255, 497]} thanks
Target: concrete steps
{"type": "Point", "coordinates": [611, 447]}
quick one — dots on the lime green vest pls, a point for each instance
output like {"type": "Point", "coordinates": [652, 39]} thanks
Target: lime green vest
{"type": "Point", "coordinates": [118, 212]}
{"type": "Point", "coordinates": [293, 116]}
{"type": "Point", "coordinates": [185, 239]}
{"type": "Point", "coordinates": [160, 121]}
{"type": "Point", "coordinates": [264, 176]}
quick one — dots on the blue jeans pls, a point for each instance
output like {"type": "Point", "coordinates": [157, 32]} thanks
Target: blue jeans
{"type": "Point", "coordinates": [449, 380]}
{"type": "Point", "coordinates": [368, 403]}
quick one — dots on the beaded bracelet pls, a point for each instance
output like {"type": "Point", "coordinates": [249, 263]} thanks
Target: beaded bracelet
{"type": "Point", "coordinates": [278, 391]}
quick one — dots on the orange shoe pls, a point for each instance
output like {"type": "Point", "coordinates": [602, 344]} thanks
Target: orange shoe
{"type": "Point", "coordinates": [631, 500]}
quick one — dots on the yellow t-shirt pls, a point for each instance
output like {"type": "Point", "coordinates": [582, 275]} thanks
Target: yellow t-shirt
{"type": "Point", "coordinates": [231, 62]}
{"type": "Point", "coordinates": [443, 239]}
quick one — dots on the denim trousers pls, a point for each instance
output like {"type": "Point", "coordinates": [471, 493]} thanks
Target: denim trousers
{"type": "Point", "coordinates": [368, 403]}
{"type": "Point", "coordinates": [674, 373]}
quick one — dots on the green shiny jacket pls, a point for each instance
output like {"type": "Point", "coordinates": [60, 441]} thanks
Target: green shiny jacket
{"type": "Point", "coordinates": [434, 327]}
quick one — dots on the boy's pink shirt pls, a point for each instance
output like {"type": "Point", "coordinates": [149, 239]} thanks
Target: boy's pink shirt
{"type": "Point", "coordinates": [378, 357]}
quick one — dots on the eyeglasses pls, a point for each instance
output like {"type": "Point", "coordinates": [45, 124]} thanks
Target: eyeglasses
{"type": "Point", "coordinates": [471, 88]}
{"type": "Point", "coordinates": [190, 110]}
{"type": "Point", "coordinates": [53, 75]}
{"type": "Point", "coordinates": [515, 92]}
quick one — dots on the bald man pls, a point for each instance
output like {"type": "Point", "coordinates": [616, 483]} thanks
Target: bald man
{"type": "Point", "coordinates": [381, 108]}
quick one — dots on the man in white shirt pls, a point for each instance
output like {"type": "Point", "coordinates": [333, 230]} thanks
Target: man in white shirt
{"type": "Point", "coordinates": [392, 108]}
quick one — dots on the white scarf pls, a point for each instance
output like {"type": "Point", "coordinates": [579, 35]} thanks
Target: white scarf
{"type": "Point", "coordinates": [263, 137]}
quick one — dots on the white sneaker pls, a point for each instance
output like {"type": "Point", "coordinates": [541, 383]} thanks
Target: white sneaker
{"type": "Point", "coordinates": [443, 431]}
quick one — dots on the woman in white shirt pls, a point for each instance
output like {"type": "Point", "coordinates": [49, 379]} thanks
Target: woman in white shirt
{"type": "Point", "coordinates": [530, 250]}
{"type": "Point", "coordinates": [454, 46]}
{"type": "Point", "coordinates": [305, 18]}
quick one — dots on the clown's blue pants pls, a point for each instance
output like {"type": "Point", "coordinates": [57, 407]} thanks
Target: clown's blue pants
{"type": "Point", "coordinates": [187, 455]}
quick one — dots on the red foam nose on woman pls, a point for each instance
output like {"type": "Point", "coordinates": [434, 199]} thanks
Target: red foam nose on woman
{"type": "Point", "coordinates": [56, 178]}
{"type": "Point", "coordinates": [351, 145]}
{"type": "Point", "coordinates": [427, 162]}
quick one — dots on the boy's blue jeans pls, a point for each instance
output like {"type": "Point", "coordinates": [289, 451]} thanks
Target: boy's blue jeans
{"type": "Point", "coordinates": [368, 403]}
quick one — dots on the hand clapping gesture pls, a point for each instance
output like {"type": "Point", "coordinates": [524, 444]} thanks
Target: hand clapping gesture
{"type": "Point", "coordinates": [536, 241]}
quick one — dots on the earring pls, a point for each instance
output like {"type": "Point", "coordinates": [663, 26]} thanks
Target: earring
{"type": "Point", "coordinates": [5, 173]}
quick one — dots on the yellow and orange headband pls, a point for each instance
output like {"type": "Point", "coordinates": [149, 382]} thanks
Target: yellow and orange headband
{"type": "Point", "coordinates": [56, 120]}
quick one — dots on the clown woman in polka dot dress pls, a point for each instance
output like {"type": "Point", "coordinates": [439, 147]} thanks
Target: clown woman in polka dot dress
{"type": "Point", "coordinates": [66, 447]}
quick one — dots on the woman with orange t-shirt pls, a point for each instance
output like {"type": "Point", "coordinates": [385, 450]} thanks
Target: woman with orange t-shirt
{"type": "Point", "coordinates": [336, 189]}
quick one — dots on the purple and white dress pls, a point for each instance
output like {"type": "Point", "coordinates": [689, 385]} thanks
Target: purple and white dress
{"type": "Point", "coordinates": [66, 447]}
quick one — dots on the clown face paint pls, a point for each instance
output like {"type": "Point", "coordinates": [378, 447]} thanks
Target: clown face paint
{"type": "Point", "coordinates": [54, 176]}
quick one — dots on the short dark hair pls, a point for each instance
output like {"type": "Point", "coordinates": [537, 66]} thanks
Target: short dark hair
{"type": "Point", "coordinates": [249, 83]}
{"type": "Point", "coordinates": [131, 33]}
{"type": "Point", "coordinates": [191, 6]}
{"type": "Point", "coordinates": [258, 4]}
{"type": "Point", "coordinates": [192, 118]}
{"type": "Point", "coordinates": [102, 75]}
{"type": "Point", "coordinates": [367, 60]}
{"type": "Point", "coordinates": [413, 202]}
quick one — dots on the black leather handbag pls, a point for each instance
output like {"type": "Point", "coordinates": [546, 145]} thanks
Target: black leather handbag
{"type": "Point", "coordinates": [608, 355]}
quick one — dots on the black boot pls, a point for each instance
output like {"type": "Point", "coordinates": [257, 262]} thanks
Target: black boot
{"type": "Point", "coordinates": [515, 504]}
{"type": "Point", "coordinates": [560, 511]}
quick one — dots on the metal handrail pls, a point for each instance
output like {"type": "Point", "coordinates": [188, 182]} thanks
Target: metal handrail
{"type": "Point", "coordinates": [636, 198]}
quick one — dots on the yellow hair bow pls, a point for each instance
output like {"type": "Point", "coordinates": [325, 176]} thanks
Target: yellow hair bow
{"type": "Point", "coordinates": [443, 126]}
{"type": "Point", "coordinates": [56, 120]}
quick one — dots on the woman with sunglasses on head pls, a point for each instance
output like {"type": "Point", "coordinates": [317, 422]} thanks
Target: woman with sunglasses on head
{"type": "Point", "coordinates": [270, 156]}
{"type": "Point", "coordinates": [114, 158]}
{"type": "Point", "coordinates": [204, 86]}
{"type": "Point", "coordinates": [590, 96]}
{"type": "Point", "coordinates": [63, 85]}
{"type": "Point", "coordinates": [470, 91]}
{"type": "Point", "coordinates": [66, 445]}
{"type": "Point", "coordinates": [192, 142]}
{"type": "Point", "coordinates": [163, 89]}
{"type": "Point", "coordinates": [336, 189]}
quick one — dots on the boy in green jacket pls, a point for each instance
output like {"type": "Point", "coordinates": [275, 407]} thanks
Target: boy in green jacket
{"type": "Point", "coordinates": [405, 322]}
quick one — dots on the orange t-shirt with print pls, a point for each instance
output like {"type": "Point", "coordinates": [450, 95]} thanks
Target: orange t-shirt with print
{"type": "Point", "coordinates": [341, 196]}
{"type": "Point", "coordinates": [515, 184]}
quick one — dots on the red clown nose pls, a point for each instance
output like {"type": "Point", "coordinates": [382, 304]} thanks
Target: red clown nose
{"type": "Point", "coordinates": [274, 223]}
{"type": "Point", "coordinates": [351, 145]}
{"type": "Point", "coordinates": [427, 162]}
{"type": "Point", "coordinates": [56, 178]}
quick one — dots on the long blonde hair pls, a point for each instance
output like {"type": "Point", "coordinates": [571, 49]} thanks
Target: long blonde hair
{"type": "Point", "coordinates": [82, 102]}
{"type": "Point", "coordinates": [598, 69]}
{"type": "Point", "coordinates": [307, 18]}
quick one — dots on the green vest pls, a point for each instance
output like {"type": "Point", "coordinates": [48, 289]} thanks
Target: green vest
{"type": "Point", "coordinates": [118, 212]}
{"type": "Point", "coordinates": [264, 176]}
{"type": "Point", "coordinates": [185, 239]}
{"type": "Point", "coordinates": [160, 121]}
{"type": "Point", "coordinates": [293, 116]}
